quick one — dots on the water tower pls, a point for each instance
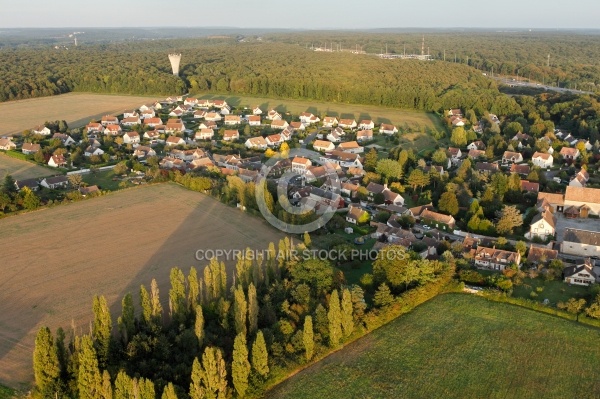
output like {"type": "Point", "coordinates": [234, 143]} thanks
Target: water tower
{"type": "Point", "coordinates": [175, 59]}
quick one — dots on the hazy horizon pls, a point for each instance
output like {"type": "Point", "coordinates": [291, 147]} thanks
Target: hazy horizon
{"type": "Point", "coordinates": [310, 15]}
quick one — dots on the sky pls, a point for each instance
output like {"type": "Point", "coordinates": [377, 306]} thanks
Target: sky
{"type": "Point", "coordinates": [305, 14]}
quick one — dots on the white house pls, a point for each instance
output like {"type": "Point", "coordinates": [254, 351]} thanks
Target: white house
{"type": "Point", "coordinates": [254, 120]}
{"type": "Point", "coordinates": [274, 140]}
{"type": "Point", "coordinates": [511, 157]}
{"type": "Point", "coordinates": [351, 147]}
{"type": "Point", "coordinates": [131, 138]}
{"type": "Point", "coordinates": [7, 144]}
{"type": "Point", "coordinates": [569, 154]}
{"type": "Point", "coordinates": [543, 226]}
{"type": "Point", "coordinates": [143, 152]}
{"type": "Point", "coordinates": [364, 135]}
{"type": "Point", "coordinates": [347, 123]}
{"type": "Point", "coordinates": [495, 259]}
{"type": "Point", "coordinates": [581, 274]}
{"type": "Point", "coordinates": [356, 214]}
{"type": "Point", "coordinates": [109, 120]}
{"type": "Point", "coordinates": [42, 130]}
{"type": "Point", "coordinates": [542, 160]}
{"type": "Point", "coordinates": [112, 130]}
{"type": "Point", "coordinates": [323, 145]}
{"type": "Point", "coordinates": [91, 151]}
{"type": "Point", "coordinates": [213, 117]}
{"type": "Point", "coordinates": [279, 124]}
{"type": "Point", "coordinates": [273, 115]}
{"type": "Point", "coordinates": [257, 111]}
{"type": "Point", "coordinates": [204, 134]}
{"type": "Point", "coordinates": [455, 153]}
{"type": "Point", "coordinates": [153, 122]}
{"type": "Point", "coordinates": [29, 148]}
{"type": "Point", "coordinates": [174, 140]}
{"type": "Point", "coordinates": [366, 124]}
{"type": "Point", "coordinates": [231, 120]}
{"type": "Point", "coordinates": [231, 135]}
{"type": "Point", "coordinates": [330, 121]}
{"type": "Point", "coordinates": [344, 159]}
{"type": "Point", "coordinates": [308, 118]}
{"type": "Point", "coordinates": [476, 145]}
{"type": "Point", "coordinates": [57, 161]}
{"type": "Point", "coordinates": [580, 179]}
{"type": "Point", "coordinates": [257, 143]}
{"type": "Point", "coordinates": [388, 129]}
{"type": "Point", "coordinates": [580, 242]}
{"type": "Point", "coordinates": [300, 165]}
{"type": "Point", "coordinates": [55, 182]}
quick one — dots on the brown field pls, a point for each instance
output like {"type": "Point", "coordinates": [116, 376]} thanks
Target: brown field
{"type": "Point", "coordinates": [55, 260]}
{"type": "Point", "coordinates": [76, 108]}
{"type": "Point", "coordinates": [20, 169]}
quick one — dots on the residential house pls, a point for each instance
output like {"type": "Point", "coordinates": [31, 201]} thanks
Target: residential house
{"type": "Point", "coordinates": [580, 242]}
{"type": "Point", "coordinates": [41, 130]}
{"type": "Point", "coordinates": [208, 125]}
{"type": "Point", "coordinates": [297, 126]}
{"type": "Point", "coordinates": [476, 154]}
{"type": "Point", "coordinates": [543, 226]}
{"type": "Point", "coordinates": [55, 182]}
{"type": "Point", "coordinates": [350, 189]}
{"type": "Point", "coordinates": [366, 124]}
{"type": "Point", "coordinates": [231, 120]}
{"type": "Point", "coordinates": [30, 148]}
{"type": "Point", "coordinates": [555, 202]}
{"type": "Point", "coordinates": [487, 167]}
{"type": "Point", "coordinates": [220, 104]}
{"type": "Point", "coordinates": [177, 113]}
{"type": "Point", "coordinates": [540, 255]}
{"type": "Point", "coordinates": [580, 179]}
{"type": "Point", "coordinates": [330, 121]}
{"type": "Point", "coordinates": [151, 135]}
{"type": "Point", "coordinates": [542, 160]}
{"type": "Point", "coordinates": [131, 121]}
{"type": "Point", "coordinates": [388, 129]}
{"type": "Point", "coordinates": [344, 159]}
{"type": "Point", "coordinates": [477, 145]}
{"type": "Point", "coordinates": [213, 117]}
{"type": "Point", "coordinates": [174, 140]}
{"type": "Point", "coordinates": [201, 163]}
{"type": "Point", "coordinates": [437, 220]}
{"type": "Point", "coordinates": [257, 111]}
{"type": "Point", "coordinates": [455, 112]}
{"type": "Point", "coordinates": [89, 190]}
{"type": "Point", "coordinates": [274, 140]}
{"type": "Point", "coordinates": [375, 188]}
{"type": "Point", "coordinates": [569, 154]}
{"type": "Point", "coordinates": [174, 126]}
{"type": "Point", "coordinates": [31, 184]}
{"type": "Point", "coordinates": [364, 135]}
{"type": "Point", "coordinates": [530, 186]}
{"type": "Point", "coordinates": [334, 136]}
{"type": "Point", "coordinates": [204, 134]}
{"type": "Point", "coordinates": [582, 274]}
{"type": "Point", "coordinates": [153, 122]}
{"type": "Point", "coordinates": [93, 127]}
{"type": "Point", "coordinates": [199, 114]}
{"type": "Point", "coordinates": [300, 165]}
{"type": "Point", "coordinates": [279, 124]}
{"type": "Point", "coordinates": [347, 123]}
{"type": "Point", "coordinates": [273, 115]}
{"type": "Point", "coordinates": [109, 120]}
{"type": "Point", "coordinates": [91, 151]}
{"type": "Point", "coordinates": [323, 145]}
{"type": "Point", "coordinates": [147, 114]}
{"type": "Point", "coordinates": [494, 259]}
{"type": "Point", "coordinates": [457, 121]}
{"type": "Point", "coordinates": [256, 143]}
{"type": "Point", "coordinates": [352, 147]}
{"type": "Point", "coordinates": [143, 152]}
{"type": "Point", "coordinates": [231, 135]}
{"type": "Point", "coordinates": [355, 215]}
{"type": "Point", "coordinates": [254, 120]}
{"type": "Point", "coordinates": [191, 101]}
{"type": "Point", "coordinates": [455, 153]}
{"type": "Point", "coordinates": [511, 157]}
{"type": "Point", "coordinates": [7, 144]}
{"type": "Point", "coordinates": [131, 138]}
{"type": "Point", "coordinates": [308, 118]}
{"type": "Point", "coordinates": [57, 161]}
{"type": "Point", "coordinates": [113, 130]}
{"type": "Point", "coordinates": [522, 170]}
{"type": "Point", "coordinates": [585, 201]}
{"type": "Point", "coordinates": [392, 198]}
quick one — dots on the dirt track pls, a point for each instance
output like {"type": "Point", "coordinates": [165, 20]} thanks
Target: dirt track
{"type": "Point", "coordinates": [55, 260]}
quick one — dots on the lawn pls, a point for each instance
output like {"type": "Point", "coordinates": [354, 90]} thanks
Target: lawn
{"type": "Point", "coordinates": [76, 108]}
{"type": "Point", "coordinates": [20, 169]}
{"type": "Point", "coordinates": [6, 393]}
{"type": "Point", "coordinates": [554, 291]}
{"type": "Point", "coordinates": [104, 180]}
{"type": "Point", "coordinates": [459, 346]}
{"type": "Point", "coordinates": [55, 260]}
{"type": "Point", "coordinates": [399, 117]}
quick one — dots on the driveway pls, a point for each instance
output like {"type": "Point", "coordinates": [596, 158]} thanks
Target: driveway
{"type": "Point", "coordinates": [582, 224]}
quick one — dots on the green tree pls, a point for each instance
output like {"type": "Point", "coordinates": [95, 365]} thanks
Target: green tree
{"type": "Point", "coordinates": [418, 179]}
{"type": "Point", "coordinates": [169, 392]}
{"type": "Point", "coordinates": [347, 313]}
{"type": "Point", "coordinates": [46, 367]}
{"type": "Point", "coordinates": [75, 180]}
{"type": "Point", "coordinates": [448, 203]}
{"type": "Point", "coordinates": [107, 391]}
{"type": "Point", "coordinates": [316, 273]}
{"type": "Point", "coordinates": [30, 200]}
{"type": "Point", "coordinates": [439, 157]}
{"type": "Point", "coordinates": [240, 366]}
{"type": "Point", "coordinates": [102, 329]}
{"type": "Point", "coordinates": [253, 309]}
{"type": "Point", "coordinates": [177, 296]}
{"type": "Point", "coordinates": [308, 338]}
{"type": "Point", "coordinates": [126, 321]}
{"type": "Point", "coordinates": [358, 302]}
{"type": "Point", "coordinates": [89, 379]}
{"type": "Point", "coordinates": [120, 168]}
{"type": "Point", "coordinates": [459, 137]}
{"type": "Point", "coordinates": [389, 169]}
{"type": "Point", "coordinates": [240, 310]}
{"type": "Point", "coordinates": [307, 239]}
{"type": "Point", "coordinates": [521, 247]}
{"type": "Point", "coordinates": [199, 325]}
{"type": "Point", "coordinates": [383, 296]}
{"type": "Point", "coordinates": [573, 306]}
{"type": "Point", "coordinates": [334, 317]}
{"type": "Point", "coordinates": [9, 187]}
{"type": "Point", "coordinates": [145, 388]}
{"type": "Point", "coordinates": [593, 310]}
{"type": "Point", "coordinates": [123, 386]}
{"type": "Point", "coordinates": [157, 309]}
{"type": "Point", "coordinates": [371, 160]}
{"type": "Point", "coordinates": [193, 288]}
{"type": "Point", "coordinates": [146, 305]}
{"type": "Point", "coordinates": [209, 380]}
{"type": "Point", "coordinates": [509, 218]}
{"type": "Point", "coordinates": [260, 356]}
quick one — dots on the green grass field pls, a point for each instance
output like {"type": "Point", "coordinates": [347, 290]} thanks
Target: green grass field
{"type": "Point", "coordinates": [459, 346]}
{"type": "Point", "coordinates": [554, 291]}
{"type": "Point", "coordinates": [399, 117]}
{"type": "Point", "coordinates": [103, 179]}
{"type": "Point", "coordinates": [6, 393]}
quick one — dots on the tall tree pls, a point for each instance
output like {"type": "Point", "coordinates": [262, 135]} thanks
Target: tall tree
{"type": "Point", "coordinates": [102, 329]}
{"type": "Point", "coordinates": [240, 366]}
{"type": "Point", "coordinates": [209, 380]}
{"type": "Point", "coordinates": [145, 389]}
{"type": "Point", "coordinates": [448, 203]}
{"type": "Point", "coordinates": [389, 169]}
{"type": "Point", "coordinates": [193, 289]}
{"type": "Point", "coordinates": [508, 219]}
{"type": "Point", "coordinates": [347, 316]}
{"type": "Point", "coordinates": [146, 305]}
{"type": "Point", "coordinates": [308, 338]}
{"type": "Point", "coordinates": [107, 391]}
{"type": "Point", "coordinates": [260, 355]}
{"type": "Point", "coordinates": [157, 309]}
{"type": "Point", "coordinates": [240, 310]}
{"type": "Point", "coordinates": [8, 186]}
{"type": "Point", "coordinates": [177, 297]}
{"type": "Point", "coordinates": [89, 379]}
{"type": "Point", "coordinates": [199, 325]}
{"type": "Point", "coordinates": [123, 386]}
{"type": "Point", "coordinates": [46, 367]}
{"type": "Point", "coordinates": [371, 160]}
{"type": "Point", "coordinates": [418, 179]}
{"type": "Point", "coordinates": [253, 309]}
{"type": "Point", "coordinates": [334, 317]}
{"type": "Point", "coordinates": [126, 321]}
{"type": "Point", "coordinates": [169, 392]}
{"type": "Point", "coordinates": [459, 137]}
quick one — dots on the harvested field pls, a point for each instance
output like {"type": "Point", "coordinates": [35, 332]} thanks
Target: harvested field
{"type": "Point", "coordinates": [459, 346]}
{"type": "Point", "coordinates": [76, 108]}
{"type": "Point", "coordinates": [20, 169]}
{"type": "Point", "coordinates": [55, 260]}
